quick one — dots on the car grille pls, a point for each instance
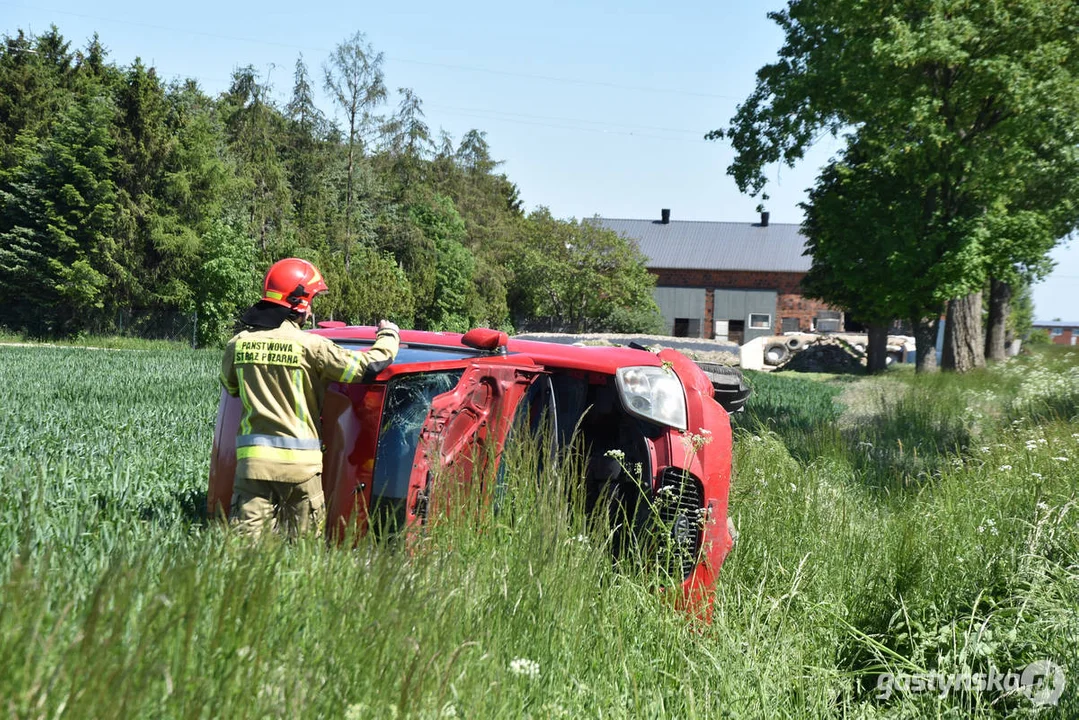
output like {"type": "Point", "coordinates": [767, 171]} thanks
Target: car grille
{"type": "Point", "coordinates": [678, 502]}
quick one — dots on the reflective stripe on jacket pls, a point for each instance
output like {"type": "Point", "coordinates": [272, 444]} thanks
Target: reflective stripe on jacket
{"type": "Point", "coordinates": [280, 376]}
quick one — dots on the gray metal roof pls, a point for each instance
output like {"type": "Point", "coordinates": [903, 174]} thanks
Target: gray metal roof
{"type": "Point", "coordinates": [700, 245]}
{"type": "Point", "coordinates": [1055, 324]}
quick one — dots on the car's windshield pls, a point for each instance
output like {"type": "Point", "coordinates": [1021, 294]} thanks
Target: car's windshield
{"type": "Point", "coordinates": [408, 401]}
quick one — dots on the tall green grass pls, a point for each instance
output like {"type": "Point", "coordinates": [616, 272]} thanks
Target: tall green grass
{"type": "Point", "coordinates": [899, 524]}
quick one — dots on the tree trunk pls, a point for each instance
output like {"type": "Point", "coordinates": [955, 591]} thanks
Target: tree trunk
{"type": "Point", "coordinates": [925, 335]}
{"type": "Point", "coordinates": [1000, 297]}
{"type": "Point", "coordinates": [348, 192]}
{"type": "Point", "coordinates": [877, 349]}
{"type": "Point", "coordinates": [964, 348]}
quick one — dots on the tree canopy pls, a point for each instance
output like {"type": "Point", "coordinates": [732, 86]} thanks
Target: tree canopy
{"type": "Point", "coordinates": [127, 202]}
{"type": "Point", "coordinates": [964, 115]}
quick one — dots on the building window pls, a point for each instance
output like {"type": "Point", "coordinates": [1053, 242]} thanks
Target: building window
{"type": "Point", "coordinates": [1058, 331]}
{"type": "Point", "coordinates": [790, 325]}
{"type": "Point", "coordinates": [760, 321]}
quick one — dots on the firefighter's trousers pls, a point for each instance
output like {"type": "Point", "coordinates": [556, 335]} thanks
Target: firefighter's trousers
{"type": "Point", "coordinates": [294, 508]}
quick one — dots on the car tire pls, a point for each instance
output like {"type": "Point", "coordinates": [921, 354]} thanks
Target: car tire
{"type": "Point", "coordinates": [623, 504]}
{"type": "Point", "coordinates": [794, 344]}
{"type": "Point", "coordinates": [860, 347]}
{"type": "Point", "coordinates": [729, 386]}
{"type": "Point", "coordinates": [776, 354]}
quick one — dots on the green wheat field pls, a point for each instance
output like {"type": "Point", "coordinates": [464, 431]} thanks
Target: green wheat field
{"type": "Point", "coordinates": [897, 525]}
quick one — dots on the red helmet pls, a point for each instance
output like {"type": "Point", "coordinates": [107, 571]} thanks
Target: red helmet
{"type": "Point", "coordinates": [294, 283]}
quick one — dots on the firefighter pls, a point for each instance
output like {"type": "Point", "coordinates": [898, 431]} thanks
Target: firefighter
{"type": "Point", "coordinates": [280, 374]}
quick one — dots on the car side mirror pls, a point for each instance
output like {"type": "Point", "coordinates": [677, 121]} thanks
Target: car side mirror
{"type": "Point", "coordinates": [486, 339]}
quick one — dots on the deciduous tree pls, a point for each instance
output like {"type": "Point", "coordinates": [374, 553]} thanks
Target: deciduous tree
{"type": "Point", "coordinates": [354, 78]}
{"type": "Point", "coordinates": [969, 99]}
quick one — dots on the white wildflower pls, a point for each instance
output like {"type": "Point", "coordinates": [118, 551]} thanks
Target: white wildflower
{"type": "Point", "coordinates": [448, 711]}
{"type": "Point", "coordinates": [985, 449]}
{"type": "Point", "coordinates": [1005, 467]}
{"type": "Point", "coordinates": [616, 454]}
{"type": "Point", "coordinates": [1036, 475]}
{"type": "Point", "coordinates": [525, 668]}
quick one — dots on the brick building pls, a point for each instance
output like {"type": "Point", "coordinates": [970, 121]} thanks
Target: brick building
{"type": "Point", "coordinates": [1061, 333]}
{"type": "Point", "coordinates": [726, 280]}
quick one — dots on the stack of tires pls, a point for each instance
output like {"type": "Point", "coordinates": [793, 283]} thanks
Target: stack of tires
{"type": "Point", "coordinates": [778, 352]}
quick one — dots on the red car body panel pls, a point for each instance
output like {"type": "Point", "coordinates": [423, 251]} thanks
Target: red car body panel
{"type": "Point", "coordinates": [705, 451]}
{"type": "Point", "coordinates": [223, 456]}
{"type": "Point", "coordinates": [469, 424]}
{"type": "Point", "coordinates": [350, 427]}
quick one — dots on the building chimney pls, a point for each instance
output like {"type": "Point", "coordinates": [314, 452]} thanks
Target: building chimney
{"type": "Point", "coordinates": [665, 216]}
{"type": "Point", "coordinates": [764, 218]}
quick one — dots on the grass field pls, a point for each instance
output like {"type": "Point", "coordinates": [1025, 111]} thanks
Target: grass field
{"type": "Point", "coordinates": [896, 525]}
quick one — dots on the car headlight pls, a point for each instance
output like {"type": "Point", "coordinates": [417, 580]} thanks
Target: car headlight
{"type": "Point", "coordinates": [653, 393]}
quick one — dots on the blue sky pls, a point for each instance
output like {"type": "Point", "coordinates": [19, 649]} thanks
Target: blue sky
{"type": "Point", "coordinates": [595, 108]}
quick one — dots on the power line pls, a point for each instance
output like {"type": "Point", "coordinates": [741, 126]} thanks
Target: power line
{"type": "Point", "coordinates": [600, 131]}
{"type": "Point", "coordinates": [447, 66]}
{"type": "Point", "coordinates": [695, 133]}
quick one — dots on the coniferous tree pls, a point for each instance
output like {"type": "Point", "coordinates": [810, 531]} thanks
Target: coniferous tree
{"type": "Point", "coordinates": [58, 259]}
{"type": "Point", "coordinates": [254, 127]}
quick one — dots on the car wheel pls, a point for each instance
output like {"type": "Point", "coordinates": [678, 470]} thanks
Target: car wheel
{"type": "Point", "coordinates": [729, 386]}
{"type": "Point", "coordinates": [776, 354]}
{"type": "Point", "coordinates": [624, 508]}
{"type": "Point", "coordinates": [794, 344]}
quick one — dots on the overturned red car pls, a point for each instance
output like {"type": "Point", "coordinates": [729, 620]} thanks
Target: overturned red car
{"type": "Point", "coordinates": [449, 399]}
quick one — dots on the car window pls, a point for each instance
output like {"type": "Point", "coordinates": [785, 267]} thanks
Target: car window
{"type": "Point", "coordinates": [408, 401]}
{"type": "Point", "coordinates": [416, 353]}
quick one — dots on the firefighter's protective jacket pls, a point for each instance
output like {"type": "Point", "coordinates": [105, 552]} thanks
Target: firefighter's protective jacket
{"type": "Point", "coordinates": [280, 376]}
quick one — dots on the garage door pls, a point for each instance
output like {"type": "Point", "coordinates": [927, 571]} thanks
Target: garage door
{"type": "Point", "coordinates": [747, 313]}
{"type": "Point", "coordinates": [682, 309]}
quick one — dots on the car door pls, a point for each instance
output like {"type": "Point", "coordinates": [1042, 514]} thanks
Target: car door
{"type": "Point", "coordinates": [464, 434]}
